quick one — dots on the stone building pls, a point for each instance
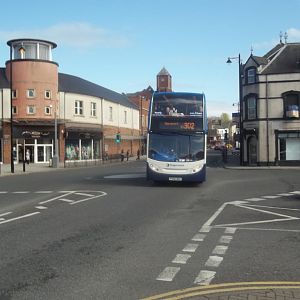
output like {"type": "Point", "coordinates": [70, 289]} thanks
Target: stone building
{"type": "Point", "coordinates": [270, 107]}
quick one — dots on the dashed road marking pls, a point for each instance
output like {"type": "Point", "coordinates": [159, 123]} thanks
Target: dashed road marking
{"type": "Point", "coordinates": [190, 248]}
{"type": "Point", "coordinates": [230, 230]}
{"type": "Point", "coordinates": [205, 277]}
{"type": "Point", "coordinates": [5, 214]}
{"type": "Point", "coordinates": [168, 274]}
{"type": "Point", "coordinates": [214, 261]}
{"type": "Point", "coordinates": [21, 192]}
{"type": "Point", "coordinates": [220, 250]}
{"type": "Point", "coordinates": [41, 207]}
{"type": "Point", "coordinates": [43, 192]}
{"type": "Point", "coordinates": [198, 237]}
{"type": "Point", "coordinates": [181, 258]}
{"type": "Point", "coordinates": [225, 239]}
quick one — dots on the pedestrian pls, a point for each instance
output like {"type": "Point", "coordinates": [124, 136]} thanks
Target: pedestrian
{"type": "Point", "coordinates": [138, 154]}
{"type": "Point", "coordinates": [27, 156]}
{"type": "Point", "coordinates": [127, 155]}
{"type": "Point", "coordinates": [122, 155]}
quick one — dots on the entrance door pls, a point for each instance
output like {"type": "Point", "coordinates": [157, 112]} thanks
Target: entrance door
{"type": "Point", "coordinates": [44, 153]}
{"type": "Point", "coordinates": [252, 150]}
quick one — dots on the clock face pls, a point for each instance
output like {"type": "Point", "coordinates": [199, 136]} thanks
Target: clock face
{"type": "Point", "coordinates": [162, 79]}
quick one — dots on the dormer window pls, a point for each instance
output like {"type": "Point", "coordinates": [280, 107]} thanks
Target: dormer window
{"type": "Point", "coordinates": [251, 75]}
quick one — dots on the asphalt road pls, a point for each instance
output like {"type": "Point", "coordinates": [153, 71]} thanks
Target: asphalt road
{"type": "Point", "coordinates": [107, 233]}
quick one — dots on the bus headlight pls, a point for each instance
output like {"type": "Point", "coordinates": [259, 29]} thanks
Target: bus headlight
{"type": "Point", "coordinates": [153, 168]}
{"type": "Point", "coordinates": [197, 169]}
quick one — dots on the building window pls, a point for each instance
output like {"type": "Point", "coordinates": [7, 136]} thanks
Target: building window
{"type": "Point", "coordinates": [289, 146]}
{"type": "Point", "coordinates": [251, 75]}
{"type": "Point", "coordinates": [251, 108]}
{"type": "Point", "coordinates": [291, 105]}
{"type": "Point", "coordinates": [47, 94]}
{"type": "Point", "coordinates": [14, 94]}
{"type": "Point", "coordinates": [31, 93]}
{"type": "Point", "coordinates": [14, 110]}
{"type": "Point", "coordinates": [47, 110]}
{"type": "Point", "coordinates": [110, 113]}
{"type": "Point", "coordinates": [30, 109]}
{"type": "Point", "coordinates": [78, 108]}
{"type": "Point", "coordinates": [93, 109]}
{"type": "Point", "coordinates": [125, 117]}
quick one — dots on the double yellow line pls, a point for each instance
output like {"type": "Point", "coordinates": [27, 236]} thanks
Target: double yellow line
{"type": "Point", "coordinates": [225, 288]}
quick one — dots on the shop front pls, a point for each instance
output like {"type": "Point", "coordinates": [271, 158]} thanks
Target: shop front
{"type": "Point", "coordinates": [36, 141]}
{"type": "Point", "coordinates": [82, 145]}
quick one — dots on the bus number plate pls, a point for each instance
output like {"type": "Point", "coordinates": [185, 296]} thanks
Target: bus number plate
{"type": "Point", "coordinates": [175, 179]}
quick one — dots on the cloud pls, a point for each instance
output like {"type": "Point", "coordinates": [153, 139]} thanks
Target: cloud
{"type": "Point", "coordinates": [77, 34]}
{"type": "Point", "coordinates": [293, 35]}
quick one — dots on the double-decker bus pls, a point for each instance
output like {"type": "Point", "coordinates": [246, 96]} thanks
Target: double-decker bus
{"type": "Point", "coordinates": [176, 141]}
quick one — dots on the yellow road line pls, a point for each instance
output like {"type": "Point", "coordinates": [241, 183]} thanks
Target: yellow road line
{"type": "Point", "coordinates": [226, 287]}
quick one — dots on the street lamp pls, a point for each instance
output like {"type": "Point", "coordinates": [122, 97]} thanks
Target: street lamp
{"type": "Point", "coordinates": [12, 166]}
{"type": "Point", "coordinates": [229, 61]}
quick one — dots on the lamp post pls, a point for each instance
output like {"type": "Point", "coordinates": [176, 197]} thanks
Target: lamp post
{"type": "Point", "coordinates": [12, 166]}
{"type": "Point", "coordinates": [240, 106]}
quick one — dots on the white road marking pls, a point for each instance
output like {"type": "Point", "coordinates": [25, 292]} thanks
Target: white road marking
{"type": "Point", "coordinates": [230, 230]}
{"type": "Point", "coordinates": [190, 248]}
{"type": "Point", "coordinates": [58, 197]}
{"type": "Point", "coordinates": [220, 250]}
{"type": "Point", "coordinates": [283, 208]}
{"type": "Point", "coordinates": [181, 258]}
{"type": "Point", "coordinates": [214, 261]}
{"type": "Point", "coordinates": [205, 228]}
{"type": "Point", "coordinates": [21, 217]}
{"type": "Point", "coordinates": [3, 192]}
{"type": "Point", "coordinates": [285, 194]}
{"type": "Point", "coordinates": [66, 200]}
{"type": "Point", "coordinates": [5, 214]}
{"type": "Point", "coordinates": [271, 197]}
{"type": "Point", "coordinates": [215, 215]}
{"type": "Point", "coordinates": [205, 277]}
{"type": "Point", "coordinates": [296, 192]}
{"type": "Point", "coordinates": [168, 274]}
{"type": "Point", "coordinates": [198, 237]}
{"type": "Point", "coordinates": [225, 239]}
{"type": "Point", "coordinates": [43, 192]}
{"type": "Point", "coordinates": [269, 229]}
{"type": "Point", "coordinates": [2, 219]}
{"type": "Point", "coordinates": [84, 194]}
{"type": "Point", "coordinates": [41, 207]}
{"type": "Point", "coordinates": [87, 199]}
{"type": "Point", "coordinates": [254, 199]}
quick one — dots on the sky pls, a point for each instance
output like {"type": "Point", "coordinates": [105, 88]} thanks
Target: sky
{"type": "Point", "coordinates": [123, 44]}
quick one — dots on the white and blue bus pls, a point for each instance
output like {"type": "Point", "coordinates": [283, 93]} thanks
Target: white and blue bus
{"type": "Point", "coordinates": [177, 134]}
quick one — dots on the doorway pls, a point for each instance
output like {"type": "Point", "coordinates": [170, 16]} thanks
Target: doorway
{"type": "Point", "coordinates": [252, 150]}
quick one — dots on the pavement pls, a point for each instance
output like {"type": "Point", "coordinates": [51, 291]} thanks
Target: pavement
{"type": "Point", "coordinates": [19, 168]}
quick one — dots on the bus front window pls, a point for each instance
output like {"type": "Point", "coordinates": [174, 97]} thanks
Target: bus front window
{"type": "Point", "coordinates": [172, 147]}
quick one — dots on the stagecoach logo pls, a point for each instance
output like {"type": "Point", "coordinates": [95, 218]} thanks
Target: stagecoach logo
{"type": "Point", "coordinates": [175, 165]}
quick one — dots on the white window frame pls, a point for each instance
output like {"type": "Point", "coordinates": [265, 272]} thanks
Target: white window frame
{"type": "Point", "coordinates": [48, 94]}
{"type": "Point", "coordinates": [251, 75]}
{"type": "Point", "coordinates": [14, 94]}
{"type": "Point", "coordinates": [78, 108]}
{"type": "Point", "coordinates": [125, 117]}
{"type": "Point", "coordinates": [48, 110]}
{"type": "Point", "coordinates": [28, 109]}
{"type": "Point", "coordinates": [251, 108]}
{"type": "Point", "coordinates": [93, 109]}
{"type": "Point", "coordinates": [110, 113]}
{"type": "Point", "coordinates": [14, 110]}
{"type": "Point", "coordinates": [30, 93]}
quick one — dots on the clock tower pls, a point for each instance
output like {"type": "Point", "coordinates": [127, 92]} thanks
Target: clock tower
{"type": "Point", "coordinates": [164, 81]}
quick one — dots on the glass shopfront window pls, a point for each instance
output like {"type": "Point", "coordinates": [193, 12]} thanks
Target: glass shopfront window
{"type": "Point", "coordinates": [72, 149]}
{"type": "Point", "coordinates": [86, 149]}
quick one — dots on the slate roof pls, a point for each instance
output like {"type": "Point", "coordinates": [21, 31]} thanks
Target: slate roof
{"type": "Point", "coordinates": [72, 84]}
{"type": "Point", "coordinates": [164, 71]}
{"type": "Point", "coordinates": [287, 61]}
